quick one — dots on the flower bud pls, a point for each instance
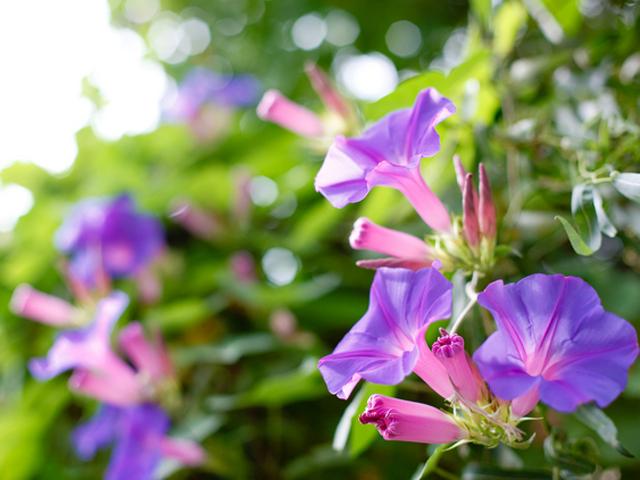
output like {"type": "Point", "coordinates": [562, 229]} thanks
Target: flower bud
{"type": "Point", "coordinates": [276, 108]}
{"type": "Point", "coordinates": [34, 305]}
{"type": "Point", "coordinates": [406, 421]}
{"type": "Point", "coordinates": [366, 235]}
{"type": "Point", "coordinates": [327, 92]}
{"type": "Point", "coordinates": [449, 350]}
{"type": "Point", "coordinates": [469, 213]}
{"type": "Point", "coordinates": [486, 208]}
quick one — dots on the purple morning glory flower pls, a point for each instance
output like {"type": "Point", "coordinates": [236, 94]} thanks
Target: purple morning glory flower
{"type": "Point", "coordinates": [389, 154]}
{"type": "Point", "coordinates": [98, 370]}
{"type": "Point", "coordinates": [139, 437]}
{"type": "Point", "coordinates": [202, 86]}
{"type": "Point", "coordinates": [554, 342]}
{"type": "Point", "coordinates": [382, 347]}
{"type": "Point", "coordinates": [108, 237]}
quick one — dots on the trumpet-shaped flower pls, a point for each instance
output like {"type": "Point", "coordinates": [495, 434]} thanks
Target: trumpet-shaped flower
{"type": "Point", "coordinates": [139, 437]}
{"type": "Point", "coordinates": [98, 370]}
{"type": "Point", "coordinates": [382, 346]}
{"type": "Point", "coordinates": [554, 342]}
{"type": "Point", "coordinates": [109, 238]}
{"type": "Point", "coordinates": [389, 154]}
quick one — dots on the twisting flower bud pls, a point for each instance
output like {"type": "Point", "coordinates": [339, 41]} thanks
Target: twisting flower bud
{"type": "Point", "coordinates": [486, 208]}
{"type": "Point", "coordinates": [469, 212]}
{"type": "Point", "coordinates": [327, 92]}
{"type": "Point", "coordinates": [406, 421]}
{"type": "Point", "coordinates": [449, 349]}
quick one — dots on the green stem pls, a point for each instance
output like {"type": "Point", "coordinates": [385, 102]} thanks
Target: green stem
{"type": "Point", "coordinates": [431, 465]}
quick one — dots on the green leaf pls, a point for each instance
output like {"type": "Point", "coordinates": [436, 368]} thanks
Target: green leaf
{"type": "Point", "coordinates": [227, 352]}
{"type": "Point", "coordinates": [594, 418]}
{"type": "Point", "coordinates": [510, 18]}
{"type": "Point", "coordinates": [482, 10]}
{"type": "Point", "coordinates": [628, 184]}
{"type": "Point", "coordinates": [303, 383]}
{"type": "Point", "coordinates": [567, 14]}
{"type": "Point", "coordinates": [578, 244]}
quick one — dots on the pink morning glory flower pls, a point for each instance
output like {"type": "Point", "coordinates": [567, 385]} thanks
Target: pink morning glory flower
{"type": "Point", "coordinates": [388, 154]}
{"type": "Point", "coordinates": [555, 342]}
{"type": "Point", "coordinates": [382, 346]}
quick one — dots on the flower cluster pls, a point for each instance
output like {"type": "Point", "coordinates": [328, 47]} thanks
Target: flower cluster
{"type": "Point", "coordinates": [107, 239]}
{"type": "Point", "coordinates": [554, 342]}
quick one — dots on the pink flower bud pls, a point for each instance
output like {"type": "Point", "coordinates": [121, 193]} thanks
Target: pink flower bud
{"type": "Point", "coordinates": [184, 451]}
{"type": "Point", "coordinates": [367, 235]}
{"type": "Point", "coordinates": [469, 213]}
{"type": "Point", "coordinates": [150, 358]}
{"type": "Point", "coordinates": [326, 91]}
{"type": "Point", "coordinates": [406, 421]}
{"type": "Point", "coordinates": [461, 173]}
{"type": "Point", "coordinates": [431, 371]}
{"type": "Point", "coordinates": [487, 209]}
{"type": "Point", "coordinates": [449, 350]}
{"type": "Point", "coordinates": [200, 223]}
{"type": "Point", "coordinates": [243, 267]}
{"type": "Point", "coordinates": [276, 108]}
{"type": "Point", "coordinates": [149, 286]}
{"type": "Point", "coordinates": [30, 303]}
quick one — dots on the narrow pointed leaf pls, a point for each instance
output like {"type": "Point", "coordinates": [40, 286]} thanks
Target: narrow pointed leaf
{"type": "Point", "coordinates": [594, 418]}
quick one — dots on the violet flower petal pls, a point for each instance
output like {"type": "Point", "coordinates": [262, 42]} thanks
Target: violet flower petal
{"type": "Point", "coordinates": [388, 154]}
{"type": "Point", "coordinates": [87, 347]}
{"type": "Point", "coordinates": [554, 331]}
{"type": "Point", "coordinates": [382, 346]}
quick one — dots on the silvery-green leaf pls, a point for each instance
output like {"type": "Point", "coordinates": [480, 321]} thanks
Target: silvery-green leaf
{"type": "Point", "coordinates": [628, 184]}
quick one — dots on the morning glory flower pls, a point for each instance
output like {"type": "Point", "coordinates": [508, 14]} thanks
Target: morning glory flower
{"type": "Point", "coordinates": [555, 342]}
{"type": "Point", "coordinates": [108, 238]}
{"type": "Point", "coordinates": [202, 86]}
{"type": "Point", "coordinates": [97, 369]}
{"type": "Point", "coordinates": [388, 154]}
{"type": "Point", "coordinates": [138, 436]}
{"type": "Point", "coordinates": [382, 346]}
{"type": "Point", "coordinates": [476, 416]}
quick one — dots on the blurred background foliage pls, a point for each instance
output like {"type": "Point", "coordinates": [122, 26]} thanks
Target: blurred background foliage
{"type": "Point", "coordinates": [548, 97]}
